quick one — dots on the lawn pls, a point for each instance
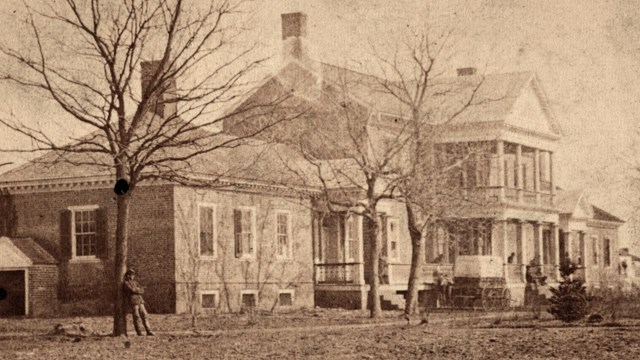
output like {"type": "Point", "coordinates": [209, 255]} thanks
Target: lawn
{"type": "Point", "coordinates": [331, 335]}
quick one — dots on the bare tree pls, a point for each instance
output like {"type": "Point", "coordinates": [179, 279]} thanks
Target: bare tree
{"type": "Point", "coordinates": [430, 178]}
{"type": "Point", "coordinates": [133, 136]}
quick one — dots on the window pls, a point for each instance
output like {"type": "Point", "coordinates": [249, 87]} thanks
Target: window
{"type": "Point", "coordinates": [248, 299]}
{"type": "Point", "coordinates": [207, 216]}
{"type": "Point", "coordinates": [607, 252]}
{"type": "Point", "coordinates": [594, 244]}
{"type": "Point", "coordinates": [352, 238]}
{"type": "Point", "coordinates": [283, 234]}
{"type": "Point", "coordinates": [84, 232]}
{"type": "Point", "coordinates": [244, 226]}
{"type": "Point", "coordinates": [392, 233]}
{"type": "Point", "coordinates": [285, 298]}
{"type": "Point", "coordinates": [209, 300]}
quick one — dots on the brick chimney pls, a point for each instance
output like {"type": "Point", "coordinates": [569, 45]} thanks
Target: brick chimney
{"type": "Point", "coordinates": [162, 100]}
{"type": "Point", "coordinates": [467, 71]}
{"type": "Point", "coordinates": [294, 32]}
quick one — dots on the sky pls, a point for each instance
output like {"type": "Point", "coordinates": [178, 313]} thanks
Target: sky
{"type": "Point", "coordinates": [586, 56]}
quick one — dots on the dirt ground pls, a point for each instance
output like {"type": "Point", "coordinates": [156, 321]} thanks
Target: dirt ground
{"type": "Point", "coordinates": [343, 335]}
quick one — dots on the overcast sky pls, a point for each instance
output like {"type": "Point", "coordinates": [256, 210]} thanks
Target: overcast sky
{"type": "Point", "coordinates": [587, 58]}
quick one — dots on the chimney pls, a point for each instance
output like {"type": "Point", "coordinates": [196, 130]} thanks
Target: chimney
{"type": "Point", "coordinates": [294, 32]}
{"type": "Point", "coordinates": [163, 98]}
{"type": "Point", "coordinates": [468, 71]}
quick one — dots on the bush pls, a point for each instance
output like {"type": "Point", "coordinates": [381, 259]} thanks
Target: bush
{"type": "Point", "coordinates": [569, 301]}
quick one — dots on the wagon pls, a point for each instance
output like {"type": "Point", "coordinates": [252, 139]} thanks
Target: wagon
{"type": "Point", "coordinates": [479, 282]}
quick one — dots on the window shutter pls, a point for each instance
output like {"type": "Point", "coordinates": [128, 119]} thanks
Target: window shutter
{"type": "Point", "coordinates": [65, 234]}
{"type": "Point", "coordinates": [237, 225]}
{"type": "Point", "coordinates": [102, 228]}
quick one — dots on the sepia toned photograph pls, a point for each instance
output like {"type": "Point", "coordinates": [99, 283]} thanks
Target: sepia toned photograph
{"type": "Point", "coordinates": [290, 179]}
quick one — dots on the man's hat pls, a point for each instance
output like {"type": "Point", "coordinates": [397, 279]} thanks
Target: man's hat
{"type": "Point", "coordinates": [130, 272]}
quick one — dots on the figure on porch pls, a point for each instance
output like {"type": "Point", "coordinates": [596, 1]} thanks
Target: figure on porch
{"type": "Point", "coordinates": [444, 290]}
{"type": "Point", "coordinates": [133, 294]}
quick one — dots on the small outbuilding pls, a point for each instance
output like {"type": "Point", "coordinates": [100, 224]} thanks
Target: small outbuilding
{"type": "Point", "coordinates": [28, 278]}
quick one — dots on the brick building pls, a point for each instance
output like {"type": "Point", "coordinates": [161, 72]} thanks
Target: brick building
{"type": "Point", "coordinates": [257, 242]}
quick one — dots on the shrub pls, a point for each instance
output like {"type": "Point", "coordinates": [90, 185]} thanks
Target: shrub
{"type": "Point", "coordinates": [569, 301]}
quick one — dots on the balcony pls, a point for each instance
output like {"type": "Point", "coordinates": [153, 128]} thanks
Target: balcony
{"type": "Point", "coordinates": [339, 273]}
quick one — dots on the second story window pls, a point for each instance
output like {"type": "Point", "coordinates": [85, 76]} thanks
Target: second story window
{"type": "Point", "coordinates": [392, 233]}
{"type": "Point", "coordinates": [594, 244]}
{"type": "Point", "coordinates": [244, 230]}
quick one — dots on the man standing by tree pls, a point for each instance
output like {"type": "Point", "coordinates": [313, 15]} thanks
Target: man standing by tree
{"type": "Point", "coordinates": [133, 292]}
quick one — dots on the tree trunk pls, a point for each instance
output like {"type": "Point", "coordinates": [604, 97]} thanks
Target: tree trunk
{"type": "Point", "coordinates": [122, 234]}
{"type": "Point", "coordinates": [411, 304]}
{"type": "Point", "coordinates": [374, 281]}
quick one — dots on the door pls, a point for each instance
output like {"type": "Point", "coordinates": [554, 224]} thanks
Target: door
{"type": "Point", "coordinates": [12, 293]}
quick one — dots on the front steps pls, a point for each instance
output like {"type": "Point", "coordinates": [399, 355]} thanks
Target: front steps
{"type": "Point", "coordinates": [391, 300]}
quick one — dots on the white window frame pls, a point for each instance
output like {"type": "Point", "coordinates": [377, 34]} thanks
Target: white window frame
{"type": "Point", "coordinates": [290, 292]}
{"type": "Point", "coordinates": [214, 232]}
{"type": "Point", "coordinates": [347, 245]}
{"type": "Point", "coordinates": [209, 292]}
{"type": "Point", "coordinates": [251, 292]}
{"type": "Point", "coordinates": [289, 250]}
{"type": "Point", "coordinates": [73, 210]}
{"type": "Point", "coordinates": [251, 255]}
{"type": "Point", "coordinates": [389, 253]}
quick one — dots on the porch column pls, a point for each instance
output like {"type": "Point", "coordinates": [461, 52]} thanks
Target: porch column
{"type": "Point", "coordinates": [522, 247]}
{"type": "Point", "coordinates": [583, 254]}
{"type": "Point", "coordinates": [537, 244]}
{"type": "Point", "coordinates": [568, 245]}
{"type": "Point", "coordinates": [555, 233]}
{"type": "Point", "coordinates": [501, 170]}
{"type": "Point", "coordinates": [552, 180]}
{"type": "Point", "coordinates": [519, 174]}
{"type": "Point", "coordinates": [445, 244]}
{"type": "Point", "coordinates": [536, 174]}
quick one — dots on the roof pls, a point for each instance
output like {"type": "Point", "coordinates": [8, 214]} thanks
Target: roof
{"type": "Point", "coordinates": [249, 160]}
{"type": "Point", "coordinates": [493, 101]}
{"type": "Point", "coordinates": [602, 215]}
{"type": "Point", "coordinates": [567, 200]}
{"type": "Point", "coordinates": [33, 251]}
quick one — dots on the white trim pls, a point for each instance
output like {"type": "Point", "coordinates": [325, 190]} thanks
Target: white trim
{"type": "Point", "coordinates": [289, 250]}
{"type": "Point", "coordinates": [291, 292]}
{"type": "Point", "coordinates": [74, 209]}
{"type": "Point", "coordinates": [247, 292]}
{"type": "Point", "coordinates": [209, 292]}
{"type": "Point", "coordinates": [214, 208]}
{"type": "Point", "coordinates": [26, 291]}
{"type": "Point", "coordinates": [251, 255]}
{"type": "Point", "coordinates": [347, 246]}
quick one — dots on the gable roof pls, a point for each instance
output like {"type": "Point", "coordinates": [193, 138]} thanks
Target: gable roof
{"type": "Point", "coordinates": [493, 100]}
{"type": "Point", "coordinates": [29, 250]}
{"type": "Point", "coordinates": [600, 214]}
{"type": "Point", "coordinates": [569, 201]}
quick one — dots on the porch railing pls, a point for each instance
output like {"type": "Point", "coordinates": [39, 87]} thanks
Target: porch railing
{"type": "Point", "coordinates": [338, 273]}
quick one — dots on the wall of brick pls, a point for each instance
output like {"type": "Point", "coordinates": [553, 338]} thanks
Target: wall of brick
{"type": "Point", "coordinates": [230, 275]}
{"type": "Point", "coordinates": [43, 290]}
{"type": "Point", "coordinates": [150, 240]}
{"type": "Point", "coordinates": [600, 275]}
